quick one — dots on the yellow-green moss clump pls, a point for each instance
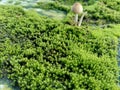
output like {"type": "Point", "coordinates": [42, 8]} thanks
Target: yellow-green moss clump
{"type": "Point", "coordinates": [38, 53]}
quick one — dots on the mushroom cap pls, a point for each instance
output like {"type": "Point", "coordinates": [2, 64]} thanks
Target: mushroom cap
{"type": "Point", "coordinates": [77, 8]}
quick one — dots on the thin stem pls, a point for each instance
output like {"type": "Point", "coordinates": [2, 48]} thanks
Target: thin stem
{"type": "Point", "coordinates": [76, 18]}
{"type": "Point", "coordinates": [81, 19]}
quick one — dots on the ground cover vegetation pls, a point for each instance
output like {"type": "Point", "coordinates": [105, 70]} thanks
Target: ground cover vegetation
{"type": "Point", "coordinates": [40, 53]}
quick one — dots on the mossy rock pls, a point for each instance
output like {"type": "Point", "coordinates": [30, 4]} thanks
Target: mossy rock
{"type": "Point", "coordinates": [42, 53]}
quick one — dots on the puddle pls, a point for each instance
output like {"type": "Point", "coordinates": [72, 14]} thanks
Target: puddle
{"type": "Point", "coordinates": [29, 4]}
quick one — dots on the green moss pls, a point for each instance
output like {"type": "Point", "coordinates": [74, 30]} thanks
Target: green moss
{"type": "Point", "coordinates": [98, 13]}
{"type": "Point", "coordinates": [53, 5]}
{"type": "Point", "coordinates": [112, 4]}
{"type": "Point", "coordinates": [41, 53]}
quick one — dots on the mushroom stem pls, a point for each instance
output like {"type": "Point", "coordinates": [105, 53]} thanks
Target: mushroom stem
{"type": "Point", "coordinates": [81, 19]}
{"type": "Point", "coordinates": [76, 18]}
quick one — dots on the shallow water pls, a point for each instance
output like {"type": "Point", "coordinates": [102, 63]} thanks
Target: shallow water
{"type": "Point", "coordinates": [29, 4]}
{"type": "Point", "coordinates": [51, 13]}
{"type": "Point", "coordinates": [5, 84]}
{"type": "Point", "coordinates": [4, 87]}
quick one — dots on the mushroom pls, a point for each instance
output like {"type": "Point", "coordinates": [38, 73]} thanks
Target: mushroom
{"type": "Point", "coordinates": [77, 9]}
